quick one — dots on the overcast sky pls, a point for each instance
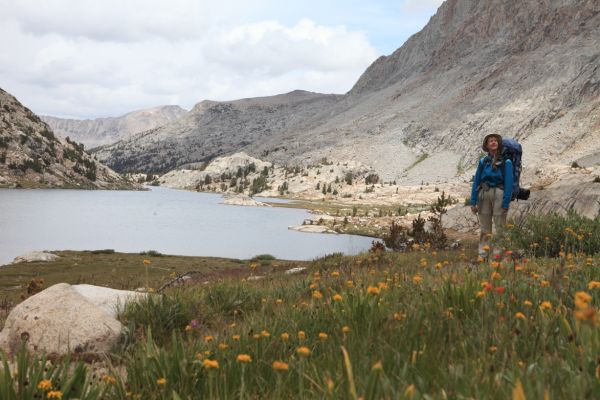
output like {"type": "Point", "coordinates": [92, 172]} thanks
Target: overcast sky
{"type": "Point", "coordinates": [91, 58]}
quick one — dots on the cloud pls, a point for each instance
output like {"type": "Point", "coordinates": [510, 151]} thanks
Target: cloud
{"type": "Point", "coordinates": [420, 6]}
{"type": "Point", "coordinates": [88, 59]}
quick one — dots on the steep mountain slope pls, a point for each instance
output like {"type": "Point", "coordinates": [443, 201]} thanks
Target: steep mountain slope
{"type": "Point", "coordinates": [32, 156]}
{"type": "Point", "coordinates": [525, 69]}
{"type": "Point", "coordinates": [212, 129]}
{"type": "Point", "coordinates": [102, 131]}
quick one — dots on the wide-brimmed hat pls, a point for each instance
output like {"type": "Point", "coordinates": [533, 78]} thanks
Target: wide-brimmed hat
{"type": "Point", "coordinates": [485, 139]}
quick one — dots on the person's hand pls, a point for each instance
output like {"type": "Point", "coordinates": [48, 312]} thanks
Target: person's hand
{"type": "Point", "coordinates": [474, 209]}
{"type": "Point", "coordinates": [504, 211]}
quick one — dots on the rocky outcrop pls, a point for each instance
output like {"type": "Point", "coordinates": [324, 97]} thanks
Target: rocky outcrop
{"type": "Point", "coordinates": [35, 256]}
{"type": "Point", "coordinates": [242, 200]}
{"type": "Point", "coordinates": [525, 69]}
{"type": "Point", "coordinates": [103, 131]}
{"type": "Point", "coordinates": [32, 156]}
{"type": "Point", "coordinates": [59, 320]}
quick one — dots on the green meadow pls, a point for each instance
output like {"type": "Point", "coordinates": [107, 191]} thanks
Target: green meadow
{"type": "Point", "coordinates": [425, 324]}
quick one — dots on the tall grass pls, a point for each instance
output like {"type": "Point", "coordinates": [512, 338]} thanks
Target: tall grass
{"type": "Point", "coordinates": [424, 324]}
{"type": "Point", "coordinates": [553, 234]}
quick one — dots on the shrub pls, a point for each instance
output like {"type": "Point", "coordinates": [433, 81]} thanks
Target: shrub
{"type": "Point", "coordinates": [348, 178]}
{"type": "Point", "coordinates": [371, 179]}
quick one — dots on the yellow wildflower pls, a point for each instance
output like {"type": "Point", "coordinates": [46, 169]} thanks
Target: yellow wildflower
{"type": "Point", "coordinates": [303, 351]}
{"type": "Point", "coordinates": [301, 335]}
{"type": "Point", "coordinates": [546, 305]}
{"type": "Point", "coordinates": [223, 346]}
{"type": "Point", "coordinates": [236, 337]}
{"type": "Point", "coordinates": [399, 316]}
{"type": "Point", "coordinates": [335, 274]}
{"type": "Point", "coordinates": [527, 303]}
{"type": "Point", "coordinates": [410, 391]}
{"type": "Point", "coordinates": [544, 283]}
{"type": "Point", "coordinates": [280, 366]}
{"type": "Point", "coordinates": [373, 290]}
{"type": "Point", "coordinates": [323, 336]}
{"type": "Point", "coordinates": [54, 394]}
{"type": "Point", "coordinates": [109, 379]}
{"type": "Point", "coordinates": [486, 248]}
{"type": "Point", "coordinates": [208, 338]}
{"type": "Point", "coordinates": [285, 336]}
{"type": "Point", "coordinates": [265, 333]}
{"type": "Point", "coordinates": [350, 284]}
{"type": "Point", "coordinates": [417, 279]}
{"type": "Point", "coordinates": [345, 329]}
{"type": "Point", "coordinates": [520, 315]}
{"type": "Point", "coordinates": [479, 294]}
{"type": "Point", "coordinates": [330, 385]}
{"type": "Point", "coordinates": [496, 275]}
{"type": "Point", "coordinates": [279, 302]}
{"type": "Point", "coordinates": [147, 262]}
{"type": "Point", "coordinates": [313, 286]}
{"type": "Point", "coordinates": [378, 366]}
{"type": "Point", "coordinates": [493, 349]}
{"type": "Point", "coordinates": [317, 295]}
{"type": "Point", "coordinates": [594, 285]}
{"type": "Point", "coordinates": [45, 385]}
{"type": "Point", "coordinates": [583, 297]}
{"type": "Point", "coordinates": [210, 364]}
{"type": "Point", "coordinates": [494, 264]}
{"type": "Point", "coordinates": [243, 358]}
{"type": "Point", "coordinates": [161, 381]}
{"type": "Point", "coordinates": [337, 297]}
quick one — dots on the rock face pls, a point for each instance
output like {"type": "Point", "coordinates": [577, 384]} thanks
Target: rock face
{"type": "Point", "coordinates": [525, 69]}
{"type": "Point", "coordinates": [103, 131]}
{"type": "Point", "coordinates": [212, 129]}
{"type": "Point", "coordinates": [35, 256]}
{"type": "Point", "coordinates": [59, 320]}
{"type": "Point", "coordinates": [32, 156]}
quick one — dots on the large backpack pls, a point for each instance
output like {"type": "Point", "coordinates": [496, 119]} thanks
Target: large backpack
{"type": "Point", "coordinates": [513, 151]}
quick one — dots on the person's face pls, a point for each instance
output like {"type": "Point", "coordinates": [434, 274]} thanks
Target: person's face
{"type": "Point", "coordinates": [492, 143]}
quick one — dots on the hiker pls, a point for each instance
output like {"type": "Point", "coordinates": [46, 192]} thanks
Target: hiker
{"type": "Point", "coordinates": [492, 190]}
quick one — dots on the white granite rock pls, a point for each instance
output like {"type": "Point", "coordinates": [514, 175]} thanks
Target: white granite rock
{"type": "Point", "coordinates": [60, 320]}
{"type": "Point", "coordinates": [35, 256]}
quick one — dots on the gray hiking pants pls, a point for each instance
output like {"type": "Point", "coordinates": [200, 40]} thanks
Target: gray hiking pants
{"type": "Point", "coordinates": [489, 204]}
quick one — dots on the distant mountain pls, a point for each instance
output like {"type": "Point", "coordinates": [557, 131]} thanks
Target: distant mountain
{"type": "Point", "coordinates": [32, 156]}
{"type": "Point", "coordinates": [212, 129]}
{"type": "Point", "coordinates": [524, 69]}
{"type": "Point", "coordinates": [101, 131]}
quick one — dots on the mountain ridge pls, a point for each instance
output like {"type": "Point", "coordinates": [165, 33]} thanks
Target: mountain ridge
{"type": "Point", "coordinates": [528, 70]}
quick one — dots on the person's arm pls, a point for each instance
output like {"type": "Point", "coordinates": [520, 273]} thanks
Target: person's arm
{"type": "Point", "coordinates": [476, 182]}
{"type": "Point", "coordinates": [508, 184]}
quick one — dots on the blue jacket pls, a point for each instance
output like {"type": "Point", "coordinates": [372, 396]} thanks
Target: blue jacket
{"type": "Point", "coordinates": [485, 173]}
